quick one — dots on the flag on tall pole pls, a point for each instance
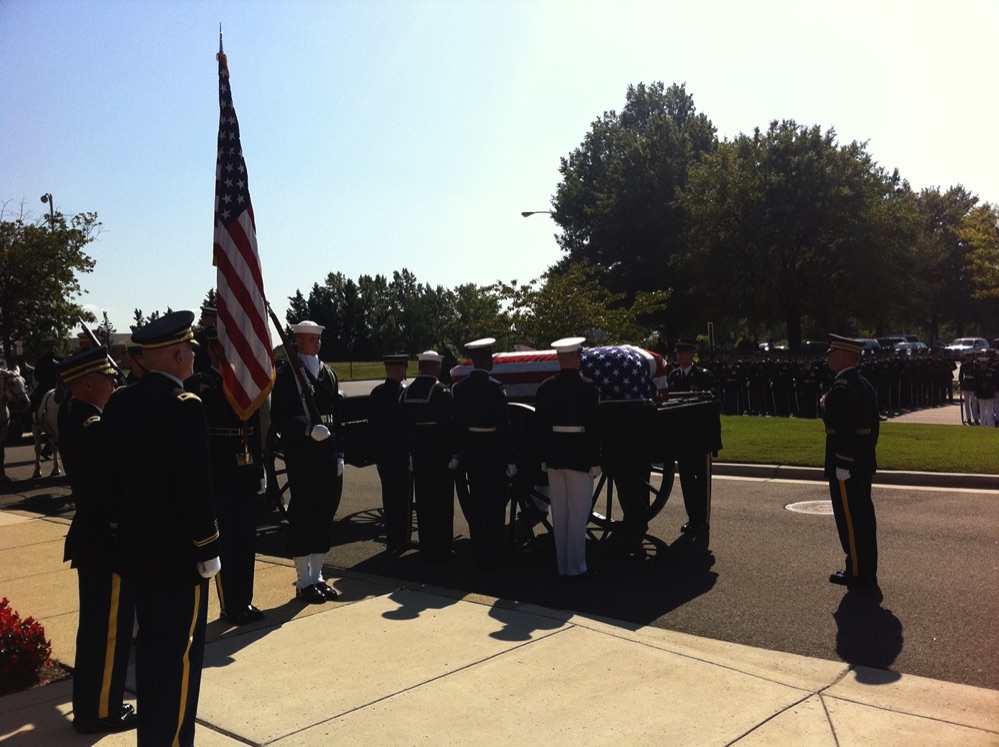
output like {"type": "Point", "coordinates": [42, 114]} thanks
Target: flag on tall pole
{"type": "Point", "coordinates": [248, 373]}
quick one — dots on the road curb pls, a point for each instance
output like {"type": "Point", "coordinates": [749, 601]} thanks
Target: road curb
{"type": "Point", "coordinates": [956, 480]}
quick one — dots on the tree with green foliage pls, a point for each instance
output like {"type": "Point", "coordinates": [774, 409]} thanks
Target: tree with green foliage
{"type": "Point", "coordinates": [575, 301]}
{"type": "Point", "coordinates": [617, 201]}
{"type": "Point", "coordinates": [787, 224]}
{"type": "Point", "coordinates": [980, 232]}
{"type": "Point", "coordinates": [40, 265]}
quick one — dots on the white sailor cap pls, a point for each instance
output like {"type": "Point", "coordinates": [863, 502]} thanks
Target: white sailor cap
{"type": "Point", "coordinates": [430, 355]}
{"type": "Point", "coordinates": [485, 342]}
{"type": "Point", "coordinates": [568, 344]}
{"type": "Point", "coordinates": [307, 327]}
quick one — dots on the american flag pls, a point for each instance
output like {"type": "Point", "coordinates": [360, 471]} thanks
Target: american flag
{"type": "Point", "coordinates": [248, 375]}
{"type": "Point", "coordinates": [619, 371]}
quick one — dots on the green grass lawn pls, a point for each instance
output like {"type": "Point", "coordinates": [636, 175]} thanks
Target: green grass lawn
{"type": "Point", "coordinates": [901, 446]}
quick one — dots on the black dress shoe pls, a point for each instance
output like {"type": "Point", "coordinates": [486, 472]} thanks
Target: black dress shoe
{"type": "Point", "coordinates": [694, 528]}
{"type": "Point", "coordinates": [842, 578]}
{"type": "Point", "coordinates": [125, 720]}
{"type": "Point", "coordinates": [310, 594]}
{"type": "Point", "coordinates": [244, 616]}
{"type": "Point", "coordinates": [328, 592]}
{"type": "Point", "coordinates": [588, 573]}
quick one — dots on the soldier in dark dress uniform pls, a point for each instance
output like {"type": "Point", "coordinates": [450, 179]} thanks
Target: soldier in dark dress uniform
{"type": "Point", "coordinates": [156, 438]}
{"type": "Point", "coordinates": [44, 373]}
{"type": "Point", "coordinates": [209, 318]}
{"type": "Point", "coordinates": [850, 413]}
{"type": "Point", "coordinates": [483, 452]}
{"type": "Point", "coordinates": [693, 464]}
{"type": "Point", "coordinates": [133, 361]}
{"type": "Point", "coordinates": [388, 438]}
{"type": "Point", "coordinates": [568, 419]}
{"type": "Point", "coordinates": [313, 454]}
{"type": "Point", "coordinates": [106, 604]}
{"type": "Point", "coordinates": [237, 469]}
{"type": "Point", "coordinates": [428, 416]}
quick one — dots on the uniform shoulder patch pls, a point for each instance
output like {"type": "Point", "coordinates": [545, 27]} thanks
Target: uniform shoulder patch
{"type": "Point", "coordinates": [91, 420]}
{"type": "Point", "coordinates": [187, 396]}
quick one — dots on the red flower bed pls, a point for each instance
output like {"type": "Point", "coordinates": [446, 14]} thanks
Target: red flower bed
{"type": "Point", "coordinates": [23, 650]}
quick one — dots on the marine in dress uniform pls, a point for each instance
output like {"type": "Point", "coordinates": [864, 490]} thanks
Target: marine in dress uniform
{"type": "Point", "coordinates": [428, 416]}
{"type": "Point", "coordinates": [237, 469]}
{"type": "Point", "coordinates": [568, 419]}
{"type": "Point", "coordinates": [156, 438]}
{"type": "Point", "coordinates": [483, 452]}
{"type": "Point", "coordinates": [388, 436]}
{"type": "Point", "coordinates": [850, 412]}
{"type": "Point", "coordinates": [107, 608]}
{"type": "Point", "coordinates": [313, 453]}
{"type": "Point", "coordinates": [693, 464]}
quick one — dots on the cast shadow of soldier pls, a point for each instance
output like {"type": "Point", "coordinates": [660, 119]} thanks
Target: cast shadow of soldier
{"type": "Point", "coordinates": [868, 636]}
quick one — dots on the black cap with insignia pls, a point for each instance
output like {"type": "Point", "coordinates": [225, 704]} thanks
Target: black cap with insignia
{"type": "Point", "coordinates": [94, 360]}
{"type": "Point", "coordinates": [169, 329]}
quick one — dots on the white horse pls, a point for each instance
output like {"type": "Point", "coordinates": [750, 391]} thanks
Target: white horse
{"type": "Point", "coordinates": [46, 421]}
{"type": "Point", "coordinates": [13, 398]}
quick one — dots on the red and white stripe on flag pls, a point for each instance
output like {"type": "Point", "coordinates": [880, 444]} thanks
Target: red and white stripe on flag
{"type": "Point", "coordinates": [244, 334]}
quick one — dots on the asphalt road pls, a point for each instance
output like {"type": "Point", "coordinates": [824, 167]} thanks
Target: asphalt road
{"type": "Point", "coordinates": [759, 579]}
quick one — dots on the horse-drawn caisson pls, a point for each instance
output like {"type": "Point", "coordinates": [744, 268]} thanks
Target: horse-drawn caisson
{"type": "Point", "coordinates": [642, 426]}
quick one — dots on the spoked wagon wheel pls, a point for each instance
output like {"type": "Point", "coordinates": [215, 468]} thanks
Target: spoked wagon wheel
{"type": "Point", "coordinates": [657, 497]}
{"type": "Point", "coordinates": [278, 493]}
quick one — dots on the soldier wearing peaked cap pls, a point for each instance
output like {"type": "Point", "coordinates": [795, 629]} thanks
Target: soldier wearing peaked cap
{"type": "Point", "coordinates": [692, 462]}
{"type": "Point", "coordinates": [388, 435]}
{"type": "Point", "coordinates": [237, 469]}
{"type": "Point", "coordinates": [157, 438]}
{"type": "Point", "coordinates": [568, 420]}
{"type": "Point", "coordinates": [850, 413]}
{"type": "Point", "coordinates": [107, 608]}
{"type": "Point", "coordinates": [313, 454]}
{"type": "Point", "coordinates": [483, 452]}
{"type": "Point", "coordinates": [428, 416]}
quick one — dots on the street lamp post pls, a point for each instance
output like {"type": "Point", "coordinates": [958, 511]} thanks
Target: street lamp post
{"type": "Point", "coordinates": [47, 197]}
{"type": "Point", "coordinates": [529, 213]}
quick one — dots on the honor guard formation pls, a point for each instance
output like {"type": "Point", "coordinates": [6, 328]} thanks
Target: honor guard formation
{"type": "Point", "coordinates": [166, 475]}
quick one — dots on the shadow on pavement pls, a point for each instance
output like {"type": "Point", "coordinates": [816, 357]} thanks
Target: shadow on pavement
{"type": "Point", "coordinates": [868, 635]}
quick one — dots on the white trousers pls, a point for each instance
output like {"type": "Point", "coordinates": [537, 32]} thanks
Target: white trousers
{"type": "Point", "coordinates": [970, 407]}
{"type": "Point", "coordinates": [987, 411]}
{"type": "Point", "coordinates": [571, 495]}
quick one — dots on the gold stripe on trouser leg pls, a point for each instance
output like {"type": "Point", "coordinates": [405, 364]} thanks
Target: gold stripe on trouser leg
{"type": "Point", "coordinates": [187, 666]}
{"type": "Point", "coordinates": [103, 704]}
{"type": "Point", "coordinates": [707, 489]}
{"type": "Point", "coordinates": [849, 528]}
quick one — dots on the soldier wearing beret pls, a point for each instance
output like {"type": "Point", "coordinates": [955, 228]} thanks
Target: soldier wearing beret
{"type": "Point", "coordinates": [157, 438]}
{"type": "Point", "coordinates": [313, 453]}
{"type": "Point", "coordinates": [388, 435]}
{"type": "Point", "coordinates": [236, 473]}
{"type": "Point", "coordinates": [427, 412]}
{"type": "Point", "coordinates": [568, 419]}
{"type": "Point", "coordinates": [107, 608]}
{"type": "Point", "coordinates": [850, 413]}
{"type": "Point", "coordinates": [483, 452]}
{"type": "Point", "coordinates": [692, 462]}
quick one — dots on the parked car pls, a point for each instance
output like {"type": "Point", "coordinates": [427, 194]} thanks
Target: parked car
{"type": "Point", "coordinates": [962, 346]}
{"type": "Point", "coordinates": [870, 346]}
{"type": "Point", "coordinates": [813, 347]}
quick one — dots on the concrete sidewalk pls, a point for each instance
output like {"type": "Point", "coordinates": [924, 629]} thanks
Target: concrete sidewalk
{"type": "Point", "coordinates": [391, 665]}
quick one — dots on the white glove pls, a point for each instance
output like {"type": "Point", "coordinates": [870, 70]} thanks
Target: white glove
{"type": "Point", "coordinates": [339, 466]}
{"type": "Point", "coordinates": [595, 471]}
{"type": "Point", "coordinates": [209, 568]}
{"type": "Point", "coordinates": [511, 470]}
{"type": "Point", "coordinates": [544, 467]}
{"type": "Point", "coordinates": [453, 464]}
{"type": "Point", "coordinates": [410, 462]}
{"type": "Point", "coordinates": [319, 433]}
{"type": "Point", "coordinates": [842, 474]}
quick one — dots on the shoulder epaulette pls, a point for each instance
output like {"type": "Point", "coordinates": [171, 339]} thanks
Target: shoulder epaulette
{"type": "Point", "coordinates": [188, 395]}
{"type": "Point", "coordinates": [91, 420]}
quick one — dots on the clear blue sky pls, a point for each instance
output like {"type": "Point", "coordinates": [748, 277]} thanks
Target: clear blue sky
{"type": "Point", "coordinates": [382, 134]}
